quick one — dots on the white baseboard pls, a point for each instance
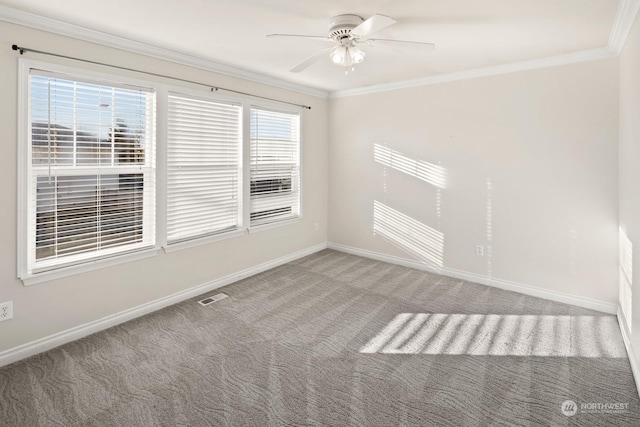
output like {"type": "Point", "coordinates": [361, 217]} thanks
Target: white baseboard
{"type": "Point", "coordinates": [52, 341]}
{"type": "Point", "coordinates": [626, 336]}
{"type": "Point", "coordinates": [579, 301]}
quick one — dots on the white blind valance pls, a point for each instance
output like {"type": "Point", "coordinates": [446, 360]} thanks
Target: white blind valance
{"type": "Point", "coordinates": [274, 166]}
{"type": "Point", "coordinates": [91, 190]}
{"type": "Point", "coordinates": [203, 167]}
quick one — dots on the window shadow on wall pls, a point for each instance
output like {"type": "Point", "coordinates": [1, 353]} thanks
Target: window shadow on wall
{"type": "Point", "coordinates": [408, 233]}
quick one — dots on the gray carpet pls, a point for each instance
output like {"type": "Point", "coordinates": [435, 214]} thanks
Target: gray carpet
{"type": "Point", "coordinates": [337, 340]}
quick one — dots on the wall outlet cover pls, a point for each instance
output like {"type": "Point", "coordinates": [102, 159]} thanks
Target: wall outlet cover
{"type": "Point", "coordinates": [6, 310]}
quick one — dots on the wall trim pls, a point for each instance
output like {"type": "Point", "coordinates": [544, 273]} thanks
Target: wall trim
{"type": "Point", "coordinates": [534, 291]}
{"type": "Point", "coordinates": [552, 61]}
{"type": "Point", "coordinates": [626, 15]}
{"type": "Point", "coordinates": [626, 337]}
{"type": "Point", "coordinates": [14, 16]}
{"type": "Point", "coordinates": [75, 333]}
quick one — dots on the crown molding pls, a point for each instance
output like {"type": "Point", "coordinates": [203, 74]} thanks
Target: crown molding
{"type": "Point", "coordinates": [54, 26]}
{"type": "Point", "coordinates": [552, 61]}
{"type": "Point", "coordinates": [625, 17]}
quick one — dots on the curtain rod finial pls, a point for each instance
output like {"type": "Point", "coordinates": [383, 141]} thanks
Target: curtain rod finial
{"type": "Point", "coordinates": [16, 47]}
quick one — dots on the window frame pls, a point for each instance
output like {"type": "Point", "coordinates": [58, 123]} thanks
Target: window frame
{"type": "Point", "coordinates": [212, 236]}
{"type": "Point", "coordinates": [161, 91]}
{"type": "Point", "coordinates": [75, 264]}
{"type": "Point", "coordinates": [284, 109]}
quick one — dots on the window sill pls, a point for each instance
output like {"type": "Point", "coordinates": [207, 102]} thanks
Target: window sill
{"type": "Point", "coordinates": [59, 273]}
{"type": "Point", "coordinates": [198, 241]}
{"type": "Point", "coordinates": [275, 224]}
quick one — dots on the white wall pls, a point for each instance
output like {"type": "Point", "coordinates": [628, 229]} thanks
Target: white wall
{"type": "Point", "coordinates": [529, 161]}
{"type": "Point", "coordinates": [45, 309]}
{"type": "Point", "coordinates": [630, 175]}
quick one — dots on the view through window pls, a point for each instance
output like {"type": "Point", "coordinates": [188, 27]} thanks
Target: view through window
{"type": "Point", "coordinates": [92, 172]}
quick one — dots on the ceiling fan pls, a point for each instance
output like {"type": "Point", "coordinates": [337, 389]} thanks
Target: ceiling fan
{"type": "Point", "coordinates": [347, 32]}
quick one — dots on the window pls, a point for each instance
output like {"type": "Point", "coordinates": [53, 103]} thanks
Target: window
{"type": "Point", "coordinates": [275, 166]}
{"type": "Point", "coordinates": [203, 167]}
{"type": "Point", "coordinates": [90, 170]}
{"type": "Point", "coordinates": [88, 182]}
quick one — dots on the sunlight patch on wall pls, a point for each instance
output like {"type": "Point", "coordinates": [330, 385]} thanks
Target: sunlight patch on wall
{"type": "Point", "coordinates": [626, 277]}
{"type": "Point", "coordinates": [425, 171]}
{"type": "Point", "coordinates": [489, 227]}
{"type": "Point", "coordinates": [499, 335]}
{"type": "Point", "coordinates": [409, 234]}
{"type": "Point", "coordinates": [439, 204]}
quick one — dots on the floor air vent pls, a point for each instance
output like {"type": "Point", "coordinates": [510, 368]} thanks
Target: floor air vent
{"type": "Point", "coordinates": [212, 299]}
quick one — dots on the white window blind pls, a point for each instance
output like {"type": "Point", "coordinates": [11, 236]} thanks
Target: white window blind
{"type": "Point", "coordinates": [91, 171]}
{"type": "Point", "coordinates": [275, 166]}
{"type": "Point", "coordinates": [204, 139]}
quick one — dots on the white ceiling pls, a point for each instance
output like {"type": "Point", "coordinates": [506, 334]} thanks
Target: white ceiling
{"type": "Point", "coordinates": [469, 34]}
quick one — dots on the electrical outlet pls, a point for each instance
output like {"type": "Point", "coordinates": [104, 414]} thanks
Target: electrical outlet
{"type": "Point", "coordinates": [316, 226]}
{"type": "Point", "coordinates": [6, 310]}
{"type": "Point", "coordinates": [480, 250]}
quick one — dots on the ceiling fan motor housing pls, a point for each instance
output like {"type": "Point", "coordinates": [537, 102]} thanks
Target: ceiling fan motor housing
{"type": "Point", "coordinates": [340, 26]}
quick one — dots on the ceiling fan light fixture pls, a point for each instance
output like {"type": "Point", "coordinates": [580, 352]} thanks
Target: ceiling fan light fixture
{"type": "Point", "coordinates": [357, 55]}
{"type": "Point", "coordinates": [348, 31]}
{"type": "Point", "coordinates": [338, 55]}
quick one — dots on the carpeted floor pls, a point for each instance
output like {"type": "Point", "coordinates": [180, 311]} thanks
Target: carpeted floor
{"type": "Point", "coordinates": [338, 340]}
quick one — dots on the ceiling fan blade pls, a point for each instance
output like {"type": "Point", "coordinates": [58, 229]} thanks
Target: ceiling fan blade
{"type": "Point", "coordinates": [371, 25]}
{"type": "Point", "coordinates": [310, 60]}
{"type": "Point", "coordinates": [400, 43]}
{"type": "Point", "coordinates": [323, 38]}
